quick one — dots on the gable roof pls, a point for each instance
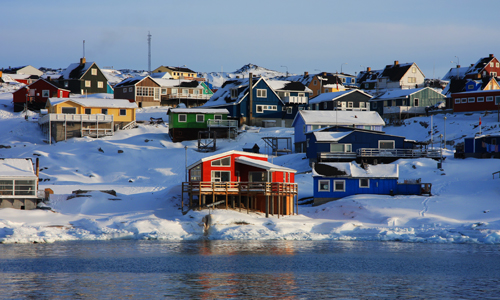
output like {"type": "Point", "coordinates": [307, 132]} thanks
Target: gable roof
{"type": "Point", "coordinates": [224, 154]}
{"type": "Point", "coordinates": [282, 85]}
{"type": "Point", "coordinates": [353, 170]}
{"type": "Point", "coordinates": [479, 65]}
{"type": "Point", "coordinates": [95, 102]}
{"type": "Point", "coordinates": [16, 167]}
{"type": "Point", "coordinates": [400, 93]}
{"type": "Point", "coordinates": [178, 83]}
{"type": "Point", "coordinates": [335, 96]}
{"type": "Point", "coordinates": [330, 136]}
{"type": "Point", "coordinates": [339, 117]}
{"type": "Point", "coordinates": [262, 164]}
{"type": "Point", "coordinates": [395, 72]}
{"type": "Point", "coordinates": [199, 110]}
{"type": "Point", "coordinates": [134, 81]}
{"type": "Point", "coordinates": [77, 70]}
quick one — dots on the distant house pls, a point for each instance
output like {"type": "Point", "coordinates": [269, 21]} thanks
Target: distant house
{"type": "Point", "coordinates": [190, 92]}
{"type": "Point", "coordinates": [84, 78]}
{"type": "Point", "coordinates": [23, 70]}
{"type": "Point", "coordinates": [177, 72]}
{"type": "Point", "coordinates": [241, 180]}
{"type": "Point", "coordinates": [35, 95]}
{"type": "Point", "coordinates": [308, 120]}
{"type": "Point", "coordinates": [404, 103]}
{"type": "Point", "coordinates": [476, 101]}
{"type": "Point", "coordinates": [343, 100]}
{"type": "Point", "coordinates": [333, 181]}
{"type": "Point", "coordinates": [143, 90]}
{"type": "Point", "coordinates": [79, 117]}
{"type": "Point", "coordinates": [396, 76]}
{"type": "Point", "coordinates": [323, 82]}
{"type": "Point", "coordinates": [19, 183]}
{"type": "Point", "coordinates": [484, 146]}
{"type": "Point", "coordinates": [186, 123]}
{"type": "Point", "coordinates": [348, 144]}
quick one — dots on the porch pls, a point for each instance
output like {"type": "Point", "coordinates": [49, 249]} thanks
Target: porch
{"type": "Point", "coordinates": [268, 197]}
{"type": "Point", "coordinates": [364, 153]}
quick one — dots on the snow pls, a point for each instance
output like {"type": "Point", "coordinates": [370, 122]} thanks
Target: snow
{"type": "Point", "coordinates": [351, 169]}
{"type": "Point", "coordinates": [464, 206]}
{"type": "Point", "coordinates": [95, 102]}
{"type": "Point", "coordinates": [341, 117]}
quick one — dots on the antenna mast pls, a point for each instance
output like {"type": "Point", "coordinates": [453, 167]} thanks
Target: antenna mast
{"type": "Point", "coordinates": [83, 48]}
{"type": "Point", "coordinates": [149, 53]}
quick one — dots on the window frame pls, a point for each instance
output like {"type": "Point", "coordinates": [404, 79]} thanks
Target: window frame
{"type": "Point", "coordinates": [322, 187]}
{"type": "Point", "coordinates": [464, 100]}
{"type": "Point", "coordinates": [179, 118]}
{"type": "Point", "coordinates": [123, 112]}
{"type": "Point", "coordinates": [73, 109]}
{"type": "Point", "coordinates": [222, 160]}
{"type": "Point", "coordinates": [104, 111]}
{"type": "Point", "coordinates": [480, 99]}
{"type": "Point", "coordinates": [489, 98]}
{"type": "Point", "coordinates": [387, 141]}
{"type": "Point", "coordinates": [202, 118]}
{"type": "Point", "coordinates": [88, 83]}
{"type": "Point", "coordinates": [471, 99]}
{"type": "Point", "coordinates": [45, 93]}
{"type": "Point", "coordinates": [367, 186]}
{"type": "Point", "coordinates": [335, 185]}
{"type": "Point", "coordinates": [88, 111]}
{"type": "Point", "coordinates": [261, 93]}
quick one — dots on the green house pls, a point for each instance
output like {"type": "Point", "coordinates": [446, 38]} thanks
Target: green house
{"type": "Point", "coordinates": [185, 123]}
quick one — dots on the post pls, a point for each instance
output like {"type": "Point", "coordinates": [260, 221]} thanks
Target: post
{"type": "Point", "coordinates": [185, 163]}
{"type": "Point", "coordinates": [444, 132]}
{"type": "Point", "coordinates": [267, 206]}
{"type": "Point", "coordinates": [250, 99]}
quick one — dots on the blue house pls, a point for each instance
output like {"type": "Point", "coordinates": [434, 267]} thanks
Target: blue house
{"type": "Point", "coordinates": [308, 120]}
{"type": "Point", "coordinates": [348, 144]}
{"type": "Point", "coordinates": [333, 181]}
{"type": "Point", "coordinates": [267, 105]}
{"type": "Point", "coordinates": [484, 146]}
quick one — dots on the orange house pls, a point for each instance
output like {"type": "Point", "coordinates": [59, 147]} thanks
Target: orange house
{"type": "Point", "coordinates": [241, 180]}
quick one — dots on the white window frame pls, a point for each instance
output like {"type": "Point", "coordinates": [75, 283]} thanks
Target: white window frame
{"type": "Point", "coordinates": [480, 99]}
{"type": "Point", "coordinates": [345, 148]}
{"type": "Point", "coordinates": [335, 185]}
{"type": "Point", "coordinates": [124, 90]}
{"type": "Point", "coordinates": [88, 83]}
{"type": "Point", "coordinates": [350, 105]}
{"type": "Point", "coordinates": [464, 100]}
{"type": "Point", "coordinates": [364, 186]}
{"type": "Point", "coordinates": [457, 100]}
{"type": "Point", "coordinates": [289, 110]}
{"type": "Point", "coordinates": [387, 141]}
{"type": "Point", "coordinates": [471, 100]}
{"type": "Point", "coordinates": [218, 179]}
{"type": "Point", "coordinates": [259, 109]}
{"type": "Point", "coordinates": [93, 71]}
{"type": "Point", "coordinates": [221, 160]}
{"type": "Point", "coordinates": [179, 118]}
{"type": "Point", "coordinates": [45, 93]}
{"type": "Point", "coordinates": [493, 74]}
{"type": "Point", "coordinates": [202, 118]}
{"type": "Point", "coordinates": [100, 84]}
{"type": "Point", "coordinates": [489, 98]}
{"type": "Point", "coordinates": [130, 89]}
{"type": "Point", "coordinates": [217, 117]}
{"type": "Point", "coordinates": [326, 183]}
{"type": "Point", "coordinates": [123, 112]}
{"type": "Point", "coordinates": [261, 93]}
{"type": "Point", "coordinates": [73, 110]}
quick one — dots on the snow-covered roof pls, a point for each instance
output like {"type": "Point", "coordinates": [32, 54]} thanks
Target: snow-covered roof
{"type": "Point", "coordinates": [283, 85]}
{"type": "Point", "coordinates": [456, 73]}
{"type": "Point", "coordinates": [95, 102]}
{"type": "Point", "coordinates": [199, 110]}
{"type": "Point", "coordinates": [161, 75]}
{"type": "Point", "coordinates": [340, 117]}
{"type": "Point", "coordinates": [130, 81]}
{"type": "Point", "coordinates": [334, 95]}
{"type": "Point", "coordinates": [16, 167]}
{"type": "Point", "coordinates": [325, 136]}
{"type": "Point", "coordinates": [224, 154]}
{"type": "Point", "coordinates": [76, 70]}
{"type": "Point", "coordinates": [261, 164]}
{"type": "Point", "coordinates": [353, 170]}
{"type": "Point", "coordinates": [178, 83]}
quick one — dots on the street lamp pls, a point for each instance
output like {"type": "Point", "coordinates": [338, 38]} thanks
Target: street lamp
{"type": "Point", "coordinates": [444, 132]}
{"type": "Point", "coordinates": [341, 67]}
{"type": "Point", "coordinates": [286, 70]}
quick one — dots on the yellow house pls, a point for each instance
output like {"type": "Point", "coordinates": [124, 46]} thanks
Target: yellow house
{"type": "Point", "coordinates": [78, 117]}
{"type": "Point", "coordinates": [492, 85]}
{"type": "Point", "coordinates": [177, 72]}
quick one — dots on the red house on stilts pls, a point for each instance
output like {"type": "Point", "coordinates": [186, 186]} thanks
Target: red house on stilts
{"type": "Point", "coordinates": [241, 180]}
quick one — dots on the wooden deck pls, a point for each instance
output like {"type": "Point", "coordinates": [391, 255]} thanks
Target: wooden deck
{"type": "Point", "coordinates": [268, 197]}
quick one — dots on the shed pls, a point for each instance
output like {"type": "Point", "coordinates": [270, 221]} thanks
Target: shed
{"type": "Point", "coordinates": [18, 183]}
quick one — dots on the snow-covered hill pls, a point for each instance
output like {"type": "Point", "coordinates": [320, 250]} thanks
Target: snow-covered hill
{"type": "Point", "coordinates": [147, 172]}
{"type": "Point", "coordinates": [217, 79]}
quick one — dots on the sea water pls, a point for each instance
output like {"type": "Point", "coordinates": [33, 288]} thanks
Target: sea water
{"type": "Point", "coordinates": [249, 270]}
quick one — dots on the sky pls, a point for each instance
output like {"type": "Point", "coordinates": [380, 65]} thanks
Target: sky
{"type": "Point", "coordinates": [281, 35]}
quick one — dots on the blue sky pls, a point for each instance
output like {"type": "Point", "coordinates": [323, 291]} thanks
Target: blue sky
{"type": "Point", "coordinates": [212, 35]}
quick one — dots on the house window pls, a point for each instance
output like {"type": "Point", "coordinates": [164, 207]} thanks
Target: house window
{"type": "Point", "coordinates": [257, 176]}
{"type": "Point", "coordinates": [123, 112]}
{"type": "Point", "coordinates": [497, 100]}
{"type": "Point", "coordinates": [386, 144]}
{"type": "Point", "coordinates": [323, 185]}
{"type": "Point", "coordinates": [472, 99]}
{"type": "Point", "coordinates": [336, 147]}
{"type": "Point", "coordinates": [66, 84]}
{"type": "Point", "coordinates": [471, 87]}
{"type": "Point", "coordinates": [489, 99]}
{"type": "Point", "coordinates": [415, 102]}
{"type": "Point", "coordinates": [223, 162]}
{"type": "Point", "coordinates": [221, 176]}
{"type": "Point", "coordinates": [289, 110]}
{"type": "Point", "coordinates": [315, 82]}
{"type": "Point", "coordinates": [497, 65]}
{"type": "Point", "coordinates": [174, 91]}
{"type": "Point", "coordinates": [362, 105]}
{"type": "Point", "coordinates": [414, 70]}
{"type": "Point", "coordinates": [195, 173]}
{"type": "Point", "coordinates": [124, 90]}
{"type": "Point", "coordinates": [196, 92]}
{"type": "Point", "coordinates": [261, 93]}
{"type": "Point", "coordinates": [349, 105]}
{"type": "Point", "coordinates": [93, 71]}
{"type": "Point", "coordinates": [88, 111]}
{"type": "Point", "coordinates": [7, 187]}
{"type": "Point", "coordinates": [163, 91]}
{"type": "Point", "coordinates": [45, 93]}
{"type": "Point", "coordinates": [200, 118]}
{"type": "Point", "coordinates": [464, 100]}
{"type": "Point", "coordinates": [68, 110]}
{"type": "Point", "coordinates": [301, 95]}
{"type": "Point", "coordinates": [480, 99]}
{"type": "Point", "coordinates": [104, 111]}
{"type": "Point", "coordinates": [325, 105]}
{"type": "Point", "coordinates": [100, 84]}
{"type": "Point", "coordinates": [217, 117]}
{"type": "Point", "coordinates": [24, 187]}
{"type": "Point", "coordinates": [364, 183]}
{"type": "Point", "coordinates": [87, 83]}
{"type": "Point", "coordinates": [374, 105]}
{"type": "Point", "coordinates": [493, 74]}
{"type": "Point", "coordinates": [412, 79]}
{"type": "Point", "coordinates": [492, 64]}
{"type": "Point", "coordinates": [457, 100]}
{"type": "Point", "coordinates": [260, 109]}
{"type": "Point", "coordinates": [234, 93]}
{"type": "Point", "coordinates": [130, 89]}
{"type": "Point", "coordinates": [182, 118]}
{"type": "Point", "coordinates": [339, 185]}
{"type": "Point", "coordinates": [185, 91]}
{"type": "Point", "coordinates": [366, 85]}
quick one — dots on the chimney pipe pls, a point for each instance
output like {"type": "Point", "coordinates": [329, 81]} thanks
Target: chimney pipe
{"type": "Point", "coordinates": [82, 61]}
{"type": "Point", "coordinates": [324, 74]}
{"type": "Point", "coordinates": [396, 63]}
{"type": "Point", "coordinates": [250, 99]}
{"type": "Point", "coordinates": [306, 73]}
{"type": "Point", "coordinates": [491, 55]}
{"type": "Point", "coordinates": [368, 69]}
{"type": "Point", "coordinates": [458, 66]}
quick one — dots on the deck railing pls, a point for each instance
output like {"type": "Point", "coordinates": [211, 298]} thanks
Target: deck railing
{"type": "Point", "coordinates": [207, 187]}
{"type": "Point", "coordinates": [375, 152]}
{"type": "Point", "coordinates": [222, 123]}
{"type": "Point", "coordinates": [75, 118]}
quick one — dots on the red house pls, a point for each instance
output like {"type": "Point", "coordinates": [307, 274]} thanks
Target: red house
{"type": "Point", "coordinates": [241, 180]}
{"type": "Point", "coordinates": [476, 101]}
{"type": "Point", "coordinates": [36, 94]}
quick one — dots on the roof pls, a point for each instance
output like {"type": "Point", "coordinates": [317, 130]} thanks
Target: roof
{"type": "Point", "coordinates": [353, 170]}
{"type": "Point", "coordinates": [335, 95]}
{"type": "Point", "coordinates": [130, 81]}
{"type": "Point", "coordinates": [95, 102]}
{"type": "Point", "coordinates": [326, 136]}
{"type": "Point", "coordinates": [16, 167]}
{"type": "Point", "coordinates": [282, 85]}
{"type": "Point", "coordinates": [395, 72]}
{"type": "Point", "coordinates": [181, 69]}
{"type": "Point", "coordinates": [224, 154]}
{"type": "Point", "coordinates": [340, 117]}
{"type": "Point", "coordinates": [479, 65]}
{"type": "Point", "coordinates": [199, 110]}
{"type": "Point", "coordinates": [400, 93]}
{"type": "Point", "coordinates": [261, 164]}
{"type": "Point", "coordinates": [178, 83]}
{"type": "Point", "coordinates": [76, 70]}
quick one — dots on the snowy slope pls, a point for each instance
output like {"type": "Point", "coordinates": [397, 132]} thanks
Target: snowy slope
{"type": "Point", "coordinates": [464, 207]}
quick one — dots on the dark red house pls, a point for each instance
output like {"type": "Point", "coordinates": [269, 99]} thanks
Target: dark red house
{"type": "Point", "coordinates": [476, 101]}
{"type": "Point", "coordinates": [241, 180]}
{"type": "Point", "coordinates": [36, 94]}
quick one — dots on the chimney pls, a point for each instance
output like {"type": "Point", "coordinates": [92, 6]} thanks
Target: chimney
{"type": "Point", "coordinates": [472, 65]}
{"type": "Point", "coordinates": [396, 63]}
{"type": "Point", "coordinates": [458, 66]}
{"type": "Point", "coordinates": [1, 73]}
{"type": "Point", "coordinates": [324, 74]}
{"type": "Point", "coordinates": [306, 73]}
{"type": "Point", "coordinates": [250, 99]}
{"type": "Point", "coordinates": [82, 61]}
{"type": "Point", "coordinates": [368, 69]}
{"type": "Point", "coordinates": [491, 55]}
{"type": "Point", "coordinates": [37, 170]}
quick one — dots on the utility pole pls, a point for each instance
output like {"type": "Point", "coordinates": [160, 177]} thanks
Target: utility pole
{"type": "Point", "coordinates": [149, 53]}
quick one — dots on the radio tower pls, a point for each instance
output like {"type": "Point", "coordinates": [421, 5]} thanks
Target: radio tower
{"type": "Point", "coordinates": [149, 53]}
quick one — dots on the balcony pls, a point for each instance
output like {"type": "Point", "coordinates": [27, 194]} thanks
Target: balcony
{"type": "Point", "coordinates": [418, 110]}
{"type": "Point", "coordinates": [378, 153]}
{"type": "Point", "coordinates": [187, 96]}
{"type": "Point", "coordinates": [75, 118]}
{"type": "Point", "coordinates": [222, 123]}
